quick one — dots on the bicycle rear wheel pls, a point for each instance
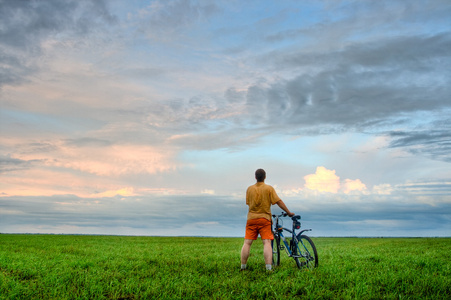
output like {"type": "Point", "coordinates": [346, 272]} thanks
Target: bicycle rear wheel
{"type": "Point", "coordinates": [276, 250]}
{"type": "Point", "coordinates": [306, 255]}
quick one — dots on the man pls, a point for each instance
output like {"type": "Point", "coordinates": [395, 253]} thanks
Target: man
{"type": "Point", "coordinates": [259, 198]}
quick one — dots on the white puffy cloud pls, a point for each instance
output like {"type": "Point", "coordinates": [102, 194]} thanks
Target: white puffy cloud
{"type": "Point", "coordinates": [323, 180]}
{"type": "Point", "coordinates": [353, 185]}
{"type": "Point", "coordinates": [327, 181]}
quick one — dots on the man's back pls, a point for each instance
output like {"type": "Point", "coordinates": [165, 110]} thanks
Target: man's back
{"type": "Point", "coordinates": [259, 198]}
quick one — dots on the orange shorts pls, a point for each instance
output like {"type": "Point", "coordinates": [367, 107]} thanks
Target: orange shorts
{"type": "Point", "coordinates": [260, 226]}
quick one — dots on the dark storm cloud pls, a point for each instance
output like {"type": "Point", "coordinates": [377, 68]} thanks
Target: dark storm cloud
{"type": "Point", "coordinates": [155, 213]}
{"type": "Point", "coordinates": [9, 164]}
{"type": "Point", "coordinates": [360, 83]}
{"type": "Point", "coordinates": [13, 70]}
{"type": "Point", "coordinates": [25, 24]}
{"type": "Point", "coordinates": [363, 87]}
{"type": "Point", "coordinates": [417, 209]}
{"type": "Point", "coordinates": [388, 220]}
{"type": "Point", "coordinates": [371, 215]}
{"type": "Point", "coordinates": [433, 143]}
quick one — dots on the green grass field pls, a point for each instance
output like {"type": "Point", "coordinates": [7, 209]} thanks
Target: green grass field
{"type": "Point", "coordinates": [118, 267]}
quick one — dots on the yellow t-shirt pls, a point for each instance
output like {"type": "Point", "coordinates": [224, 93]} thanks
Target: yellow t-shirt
{"type": "Point", "coordinates": [260, 197]}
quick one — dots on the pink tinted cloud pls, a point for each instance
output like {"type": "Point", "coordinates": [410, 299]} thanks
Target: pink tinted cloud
{"type": "Point", "coordinates": [60, 168]}
{"type": "Point", "coordinates": [46, 182]}
{"type": "Point", "coordinates": [113, 160]}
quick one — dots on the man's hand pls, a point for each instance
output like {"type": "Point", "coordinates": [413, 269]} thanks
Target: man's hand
{"type": "Point", "coordinates": [282, 205]}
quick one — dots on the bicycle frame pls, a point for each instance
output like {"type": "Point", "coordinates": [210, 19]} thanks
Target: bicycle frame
{"type": "Point", "coordinates": [295, 238]}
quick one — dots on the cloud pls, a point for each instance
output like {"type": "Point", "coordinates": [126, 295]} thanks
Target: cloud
{"type": "Point", "coordinates": [148, 215]}
{"type": "Point", "coordinates": [359, 83]}
{"type": "Point", "coordinates": [434, 142]}
{"type": "Point", "coordinates": [401, 210]}
{"type": "Point", "coordinates": [326, 181]}
{"type": "Point", "coordinates": [164, 21]}
{"type": "Point", "coordinates": [323, 181]}
{"type": "Point", "coordinates": [25, 25]}
{"type": "Point", "coordinates": [30, 22]}
{"type": "Point", "coordinates": [353, 185]}
{"type": "Point", "coordinates": [383, 189]}
{"type": "Point", "coordinates": [83, 167]}
{"type": "Point", "coordinates": [9, 164]}
{"type": "Point", "coordinates": [365, 87]}
{"type": "Point", "coordinates": [47, 181]}
{"type": "Point", "coordinates": [208, 192]}
{"type": "Point", "coordinates": [211, 215]}
{"type": "Point", "coordinates": [126, 192]}
{"type": "Point", "coordinates": [97, 157]}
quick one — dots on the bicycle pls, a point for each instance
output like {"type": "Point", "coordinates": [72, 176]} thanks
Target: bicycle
{"type": "Point", "coordinates": [299, 246]}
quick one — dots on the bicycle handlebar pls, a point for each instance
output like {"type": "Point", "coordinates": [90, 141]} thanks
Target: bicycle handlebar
{"type": "Point", "coordinates": [284, 214]}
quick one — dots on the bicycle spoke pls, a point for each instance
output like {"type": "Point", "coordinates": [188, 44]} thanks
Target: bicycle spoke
{"type": "Point", "coordinates": [308, 256]}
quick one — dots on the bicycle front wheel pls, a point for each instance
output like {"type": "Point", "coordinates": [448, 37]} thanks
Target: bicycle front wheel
{"type": "Point", "coordinates": [306, 255]}
{"type": "Point", "coordinates": [276, 250]}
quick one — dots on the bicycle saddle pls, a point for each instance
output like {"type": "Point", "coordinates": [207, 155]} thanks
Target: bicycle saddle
{"type": "Point", "coordinates": [296, 217]}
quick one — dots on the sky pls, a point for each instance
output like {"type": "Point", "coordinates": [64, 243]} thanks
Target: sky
{"type": "Point", "coordinates": [151, 117]}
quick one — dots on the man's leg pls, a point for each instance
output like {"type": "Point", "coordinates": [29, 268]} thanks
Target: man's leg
{"type": "Point", "coordinates": [267, 253]}
{"type": "Point", "coordinates": [245, 252]}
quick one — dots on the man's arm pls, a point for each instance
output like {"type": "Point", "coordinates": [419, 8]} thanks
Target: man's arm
{"type": "Point", "coordinates": [282, 205]}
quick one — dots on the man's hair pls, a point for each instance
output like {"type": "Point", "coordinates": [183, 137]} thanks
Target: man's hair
{"type": "Point", "coordinates": [260, 175]}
